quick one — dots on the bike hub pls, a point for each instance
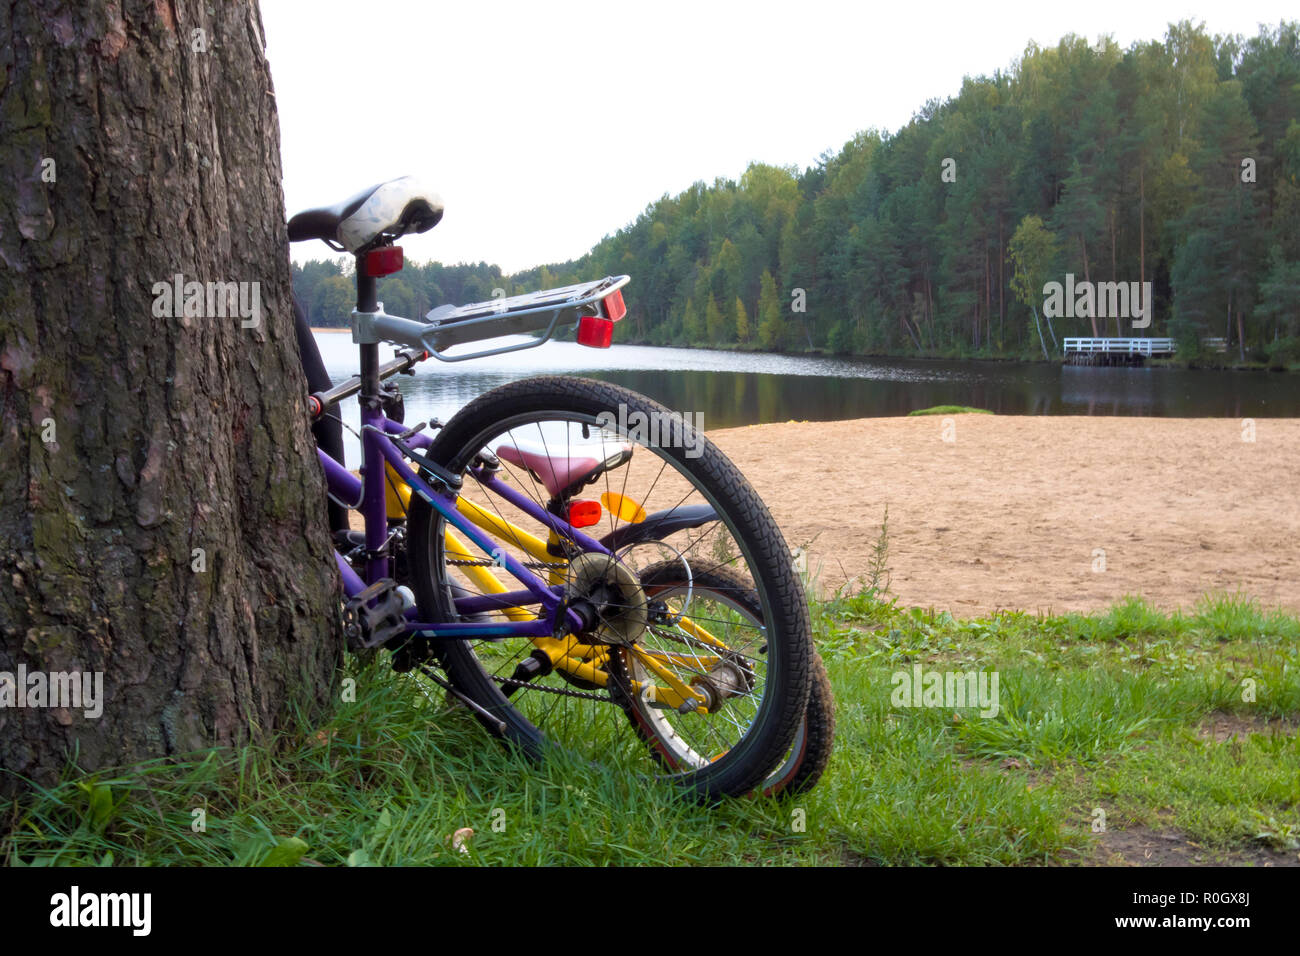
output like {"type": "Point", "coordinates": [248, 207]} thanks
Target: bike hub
{"type": "Point", "coordinates": [727, 678]}
{"type": "Point", "coordinates": [608, 596]}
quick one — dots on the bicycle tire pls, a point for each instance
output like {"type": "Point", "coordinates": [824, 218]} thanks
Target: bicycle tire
{"type": "Point", "coordinates": [787, 673]}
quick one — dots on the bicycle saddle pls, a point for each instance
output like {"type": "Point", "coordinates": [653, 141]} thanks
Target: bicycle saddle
{"type": "Point", "coordinates": [563, 475]}
{"type": "Point", "coordinates": [393, 208]}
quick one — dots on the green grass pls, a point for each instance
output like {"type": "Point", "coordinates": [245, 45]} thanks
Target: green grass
{"type": "Point", "coordinates": [1100, 710]}
{"type": "Point", "coordinates": [950, 410]}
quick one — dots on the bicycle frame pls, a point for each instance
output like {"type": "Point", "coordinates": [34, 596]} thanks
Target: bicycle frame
{"type": "Point", "coordinates": [368, 491]}
{"type": "Point", "coordinates": [553, 627]}
{"type": "Point", "coordinates": [370, 325]}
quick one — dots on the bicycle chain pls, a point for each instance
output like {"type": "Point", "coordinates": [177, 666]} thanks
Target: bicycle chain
{"type": "Point", "coordinates": [581, 695]}
{"type": "Point", "coordinates": [559, 691]}
{"type": "Point", "coordinates": [488, 562]}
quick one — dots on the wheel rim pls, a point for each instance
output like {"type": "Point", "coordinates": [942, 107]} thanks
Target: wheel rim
{"type": "Point", "coordinates": [581, 715]}
{"type": "Point", "coordinates": [677, 741]}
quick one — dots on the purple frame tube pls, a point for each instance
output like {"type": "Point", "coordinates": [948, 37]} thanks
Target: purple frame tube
{"type": "Point", "coordinates": [369, 496]}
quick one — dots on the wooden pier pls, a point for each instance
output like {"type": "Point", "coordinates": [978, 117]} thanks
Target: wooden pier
{"type": "Point", "coordinates": [1115, 351]}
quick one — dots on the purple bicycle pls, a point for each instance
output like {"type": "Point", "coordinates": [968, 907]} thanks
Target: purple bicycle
{"type": "Point", "coordinates": [577, 564]}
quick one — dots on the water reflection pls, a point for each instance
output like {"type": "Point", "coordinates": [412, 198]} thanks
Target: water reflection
{"type": "Point", "coordinates": [732, 388]}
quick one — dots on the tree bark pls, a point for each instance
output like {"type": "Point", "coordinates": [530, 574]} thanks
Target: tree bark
{"type": "Point", "coordinates": [1142, 224]}
{"type": "Point", "coordinates": [162, 515]}
{"type": "Point", "coordinates": [1083, 244]}
{"type": "Point", "coordinates": [1040, 331]}
{"type": "Point", "coordinates": [1002, 286]}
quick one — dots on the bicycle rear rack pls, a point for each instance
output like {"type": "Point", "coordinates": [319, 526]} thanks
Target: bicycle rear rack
{"type": "Point", "coordinates": [450, 325]}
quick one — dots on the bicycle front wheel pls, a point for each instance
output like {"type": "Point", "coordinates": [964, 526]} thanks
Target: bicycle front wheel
{"type": "Point", "coordinates": [657, 491]}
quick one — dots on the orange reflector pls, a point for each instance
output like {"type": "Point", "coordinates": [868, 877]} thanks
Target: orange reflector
{"type": "Point", "coordinates": [622, 507]}
{"type": "Point", "coordinates": [584, 513]}
{"type": "Point", "coordinates": [595, 332]}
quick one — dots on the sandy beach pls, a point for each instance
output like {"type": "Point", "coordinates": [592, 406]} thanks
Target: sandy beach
{"type": "Point", "coordinates": [1016, 512]}
{"type": "Point", "coordinates": [1037, 512]}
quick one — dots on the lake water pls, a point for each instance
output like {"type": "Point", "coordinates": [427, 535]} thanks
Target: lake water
{"type": "Point", "coordinates": [743, 388]}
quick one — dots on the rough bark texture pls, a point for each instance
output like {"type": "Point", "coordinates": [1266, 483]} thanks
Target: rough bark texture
{"type": "Point", "coordinates": [170, 434]}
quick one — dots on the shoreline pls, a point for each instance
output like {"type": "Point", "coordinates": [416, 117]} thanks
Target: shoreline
{"type": "Point", "coordinates": [885, 356]}
{"type": "Point", "coordinates": [1183, 365]}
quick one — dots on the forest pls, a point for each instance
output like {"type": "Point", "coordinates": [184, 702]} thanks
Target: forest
{"type": "Point", "coordinates": [1174, 162]}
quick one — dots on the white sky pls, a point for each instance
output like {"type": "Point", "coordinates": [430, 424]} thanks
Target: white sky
{"type": "Point", "coordinates": [546, 126]}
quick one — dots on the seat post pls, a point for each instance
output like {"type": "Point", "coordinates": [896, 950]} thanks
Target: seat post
{"type": "Point", "coordinates": [372, 465]}
{"type": "Point", "coordinates": [367, 301]}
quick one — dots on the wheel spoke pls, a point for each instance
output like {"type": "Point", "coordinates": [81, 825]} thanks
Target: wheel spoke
{"type": "Point", "coordinates": [699, 587]}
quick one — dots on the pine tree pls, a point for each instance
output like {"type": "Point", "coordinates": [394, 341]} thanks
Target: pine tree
{"type": "Point", "coordinates": [692, 330]}
{"type": "Point", "coordinates": [770, 331]}
{"type": "Point", "coordinates": [715, 324]}
{"type": "Point", "coordinates": [742, 322]}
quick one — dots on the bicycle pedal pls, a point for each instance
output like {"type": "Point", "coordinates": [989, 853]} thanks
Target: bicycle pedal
{"type": "Point", "coordinates": [375, 616]}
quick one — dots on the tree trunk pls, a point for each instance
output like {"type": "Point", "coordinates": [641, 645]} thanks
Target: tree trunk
{"type": "Point", "coordinates": [1142, 224]}
{"type": "Point", "coordinates": [1114, 268]}
{"type": "Point", "coordinates": [1002, 287]}
{"type": "Point", "coordinates": [1040, 330]}
{"type": "Point", "coordinates": [1088, 278]}
{"type": "Point", "coordinates": [1227, 329]}
{"type": "Point", "coordinates": [162, 518]}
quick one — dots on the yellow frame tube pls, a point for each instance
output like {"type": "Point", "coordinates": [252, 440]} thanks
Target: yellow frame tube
{"type": "Point", "coordinates": [559, 650]}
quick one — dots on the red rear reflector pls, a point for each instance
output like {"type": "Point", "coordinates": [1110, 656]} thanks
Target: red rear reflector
{"type": "Point", "coordinates": [595, 332]}
{"type": "Point", "coordinates": [383, 262]}
{"type": "Point", "coordinates": [584, 513]}
{"type": "Point", "coordinates": [614, 307]}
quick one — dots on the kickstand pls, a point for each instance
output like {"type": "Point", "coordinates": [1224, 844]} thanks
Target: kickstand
{"type": "Point", "coordinates": [472, 705]}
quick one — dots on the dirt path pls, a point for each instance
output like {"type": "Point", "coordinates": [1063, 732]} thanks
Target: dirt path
{"type": "Point", "coordinates": [1015, 511]}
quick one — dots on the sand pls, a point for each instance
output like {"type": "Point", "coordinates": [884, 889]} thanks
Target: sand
{"type": "Point", "coordinates": [1038, 513]}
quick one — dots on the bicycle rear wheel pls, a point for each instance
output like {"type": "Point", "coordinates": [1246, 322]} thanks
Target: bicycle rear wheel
{"type": "Point", "coordinates": [739, 702]}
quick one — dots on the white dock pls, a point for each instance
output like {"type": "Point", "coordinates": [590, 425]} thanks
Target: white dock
{"type": "Point", "coordinates": [1114, 351]}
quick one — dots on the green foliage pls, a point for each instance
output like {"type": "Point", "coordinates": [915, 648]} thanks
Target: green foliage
{"type": "Point", "coordinates": [771, 333]}
{"type": "Point", "coordinates": [692, 324]}
{"type": "Point", "coordinates": [1279, 302]}
{"type": "Point", "coordinates": [715, 323]}
{"type": "Point", "coordinates": [742, 322]}
{"type": "Point", "coordinates": [950, 410]}
{"type": "Point", "coordinates": [325, 288]}
{"type": "Point", "coordinates": [1119, 165]}
{"type": "Point", "coordinates": [288, 852]}
{"type": "Point", "coordinates": [1284, 353]}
